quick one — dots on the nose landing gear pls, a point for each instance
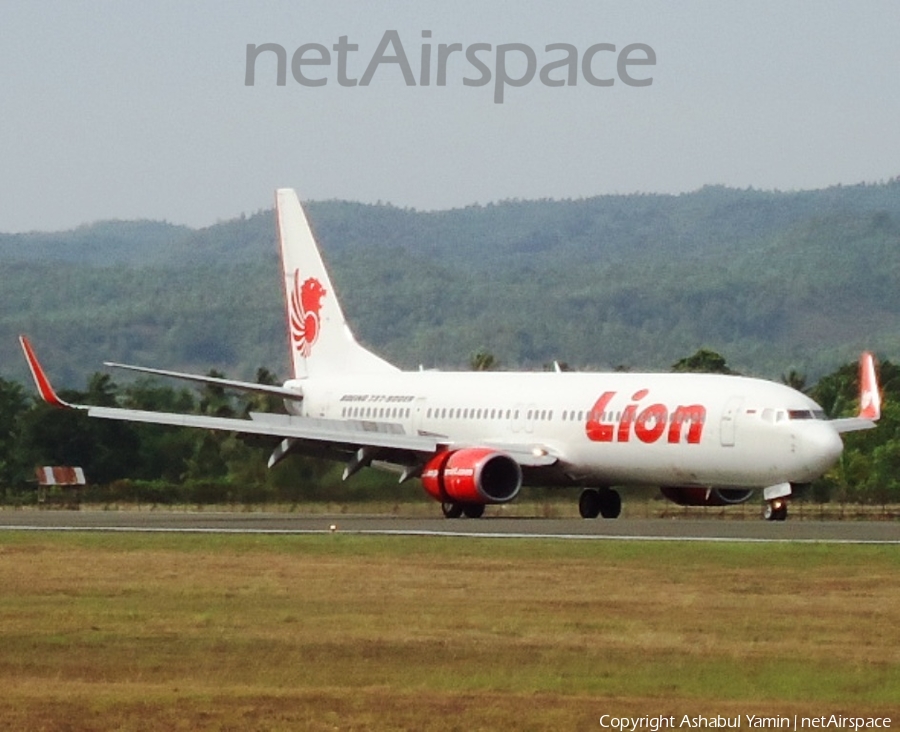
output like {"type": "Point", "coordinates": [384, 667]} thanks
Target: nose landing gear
{"type": "Point", "coordinates": [776, 497]}
{"type": "Point", "coordinates": [776, 510]}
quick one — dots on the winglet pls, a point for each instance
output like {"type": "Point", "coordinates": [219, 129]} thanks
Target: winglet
{"type": "Point", "coordinates": [45, 389]}
{"type": "Point", "coordinates": [869, 395]}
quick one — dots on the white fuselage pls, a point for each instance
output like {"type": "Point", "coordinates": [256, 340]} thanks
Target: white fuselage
{"type": "Point", "coordinates": [605, 429]}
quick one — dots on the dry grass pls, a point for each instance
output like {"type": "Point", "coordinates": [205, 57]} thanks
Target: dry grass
{"type": "Point", "coordinates": [169, 632]}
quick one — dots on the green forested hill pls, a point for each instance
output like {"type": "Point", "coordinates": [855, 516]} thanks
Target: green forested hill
{"type": "Point", "coordinates": [772, 280]}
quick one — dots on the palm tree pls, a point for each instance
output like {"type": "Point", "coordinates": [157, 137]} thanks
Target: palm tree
{"type": "Point", "coordinates": [795, 380]}
{"type": "Point", "coordinates": [483, 361]}
{"type": "Point", "coordinates": [704, 361]}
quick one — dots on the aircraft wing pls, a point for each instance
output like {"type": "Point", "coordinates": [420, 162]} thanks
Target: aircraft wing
{"type": "Point", "coordinates": [344, 435]}
{"type": "Point", "coordinates": [340, 432]}
{"type": "Point", "coordinates": [528, 456]}
{"type": "Point", "coordinates": [852, 424]}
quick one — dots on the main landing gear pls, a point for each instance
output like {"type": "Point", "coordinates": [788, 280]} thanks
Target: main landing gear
{"type": "Point", "coordinates": [455, 510]}
{"type": "Point", "coordinates": [596, 502]}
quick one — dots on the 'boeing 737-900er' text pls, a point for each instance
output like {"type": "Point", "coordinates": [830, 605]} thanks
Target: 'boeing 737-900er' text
{"type": "Point", "coordinates": [474, 438]}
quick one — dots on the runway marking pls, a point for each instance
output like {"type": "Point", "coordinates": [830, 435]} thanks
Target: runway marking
{"type": "Point", "coordinates": [437, 533]}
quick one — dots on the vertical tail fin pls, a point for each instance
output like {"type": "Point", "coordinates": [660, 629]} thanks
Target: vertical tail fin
{"type": "Point", "coordinates": [320, 340]}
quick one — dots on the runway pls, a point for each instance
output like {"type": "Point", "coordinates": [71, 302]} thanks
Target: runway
{"type": "Point", "coordinates": [857, 532]}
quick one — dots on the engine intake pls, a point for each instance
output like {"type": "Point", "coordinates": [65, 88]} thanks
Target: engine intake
{"type": "Point", "coordinates": [472, 475]}
{"type": "Point", "coordinates": [696, 496]}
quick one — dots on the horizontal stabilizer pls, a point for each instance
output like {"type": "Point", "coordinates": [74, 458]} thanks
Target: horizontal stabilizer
{"type": "Point", "coordinates": [279, 391]}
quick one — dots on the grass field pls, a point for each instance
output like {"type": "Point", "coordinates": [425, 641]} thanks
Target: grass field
{"type": "Point", "coordinates": [175, 632]}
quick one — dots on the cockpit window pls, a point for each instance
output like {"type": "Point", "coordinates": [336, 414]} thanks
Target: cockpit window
{"type": "Point", "coordinates": [805, 414]}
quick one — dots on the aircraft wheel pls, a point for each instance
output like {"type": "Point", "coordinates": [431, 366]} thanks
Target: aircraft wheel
{"type": "Point", "coordinates": [775, 511]}
{"type": "Point", "coordinates": [473, 510]}
{"type": "Point", "coordinates": [451, 510]}
{"type": "Point", "coordinates": [610, 503]}
{"type": "Point", "coordinates": [589, 503]}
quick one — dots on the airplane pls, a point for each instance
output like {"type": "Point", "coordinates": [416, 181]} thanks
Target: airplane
{"type": "Point", "coordinates": [475, 438]}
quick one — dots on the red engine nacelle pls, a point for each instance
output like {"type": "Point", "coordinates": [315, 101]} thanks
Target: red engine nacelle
{"type": "Point", "coordinates": [472, 475]}
{"type": "Point", "coordinates": [694, 496]}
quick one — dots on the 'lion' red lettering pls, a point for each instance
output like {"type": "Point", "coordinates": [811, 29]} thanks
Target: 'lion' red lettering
{"type": "Point", "coordinates": [648, 424]}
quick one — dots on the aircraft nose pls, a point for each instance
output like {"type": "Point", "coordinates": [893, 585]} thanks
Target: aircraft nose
{"type": "Point", "coordinates": [819, 447]}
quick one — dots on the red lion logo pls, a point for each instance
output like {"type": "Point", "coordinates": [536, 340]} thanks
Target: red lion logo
{"type": "Point", "coordinates": [306, 301]}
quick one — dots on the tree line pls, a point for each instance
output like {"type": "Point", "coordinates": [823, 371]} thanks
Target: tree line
{"type": "Point", "coordinates": [146, 463]}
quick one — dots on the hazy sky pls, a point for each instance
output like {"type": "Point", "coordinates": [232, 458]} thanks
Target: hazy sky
{"type": "Point", "coordinates": [140, 110]}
